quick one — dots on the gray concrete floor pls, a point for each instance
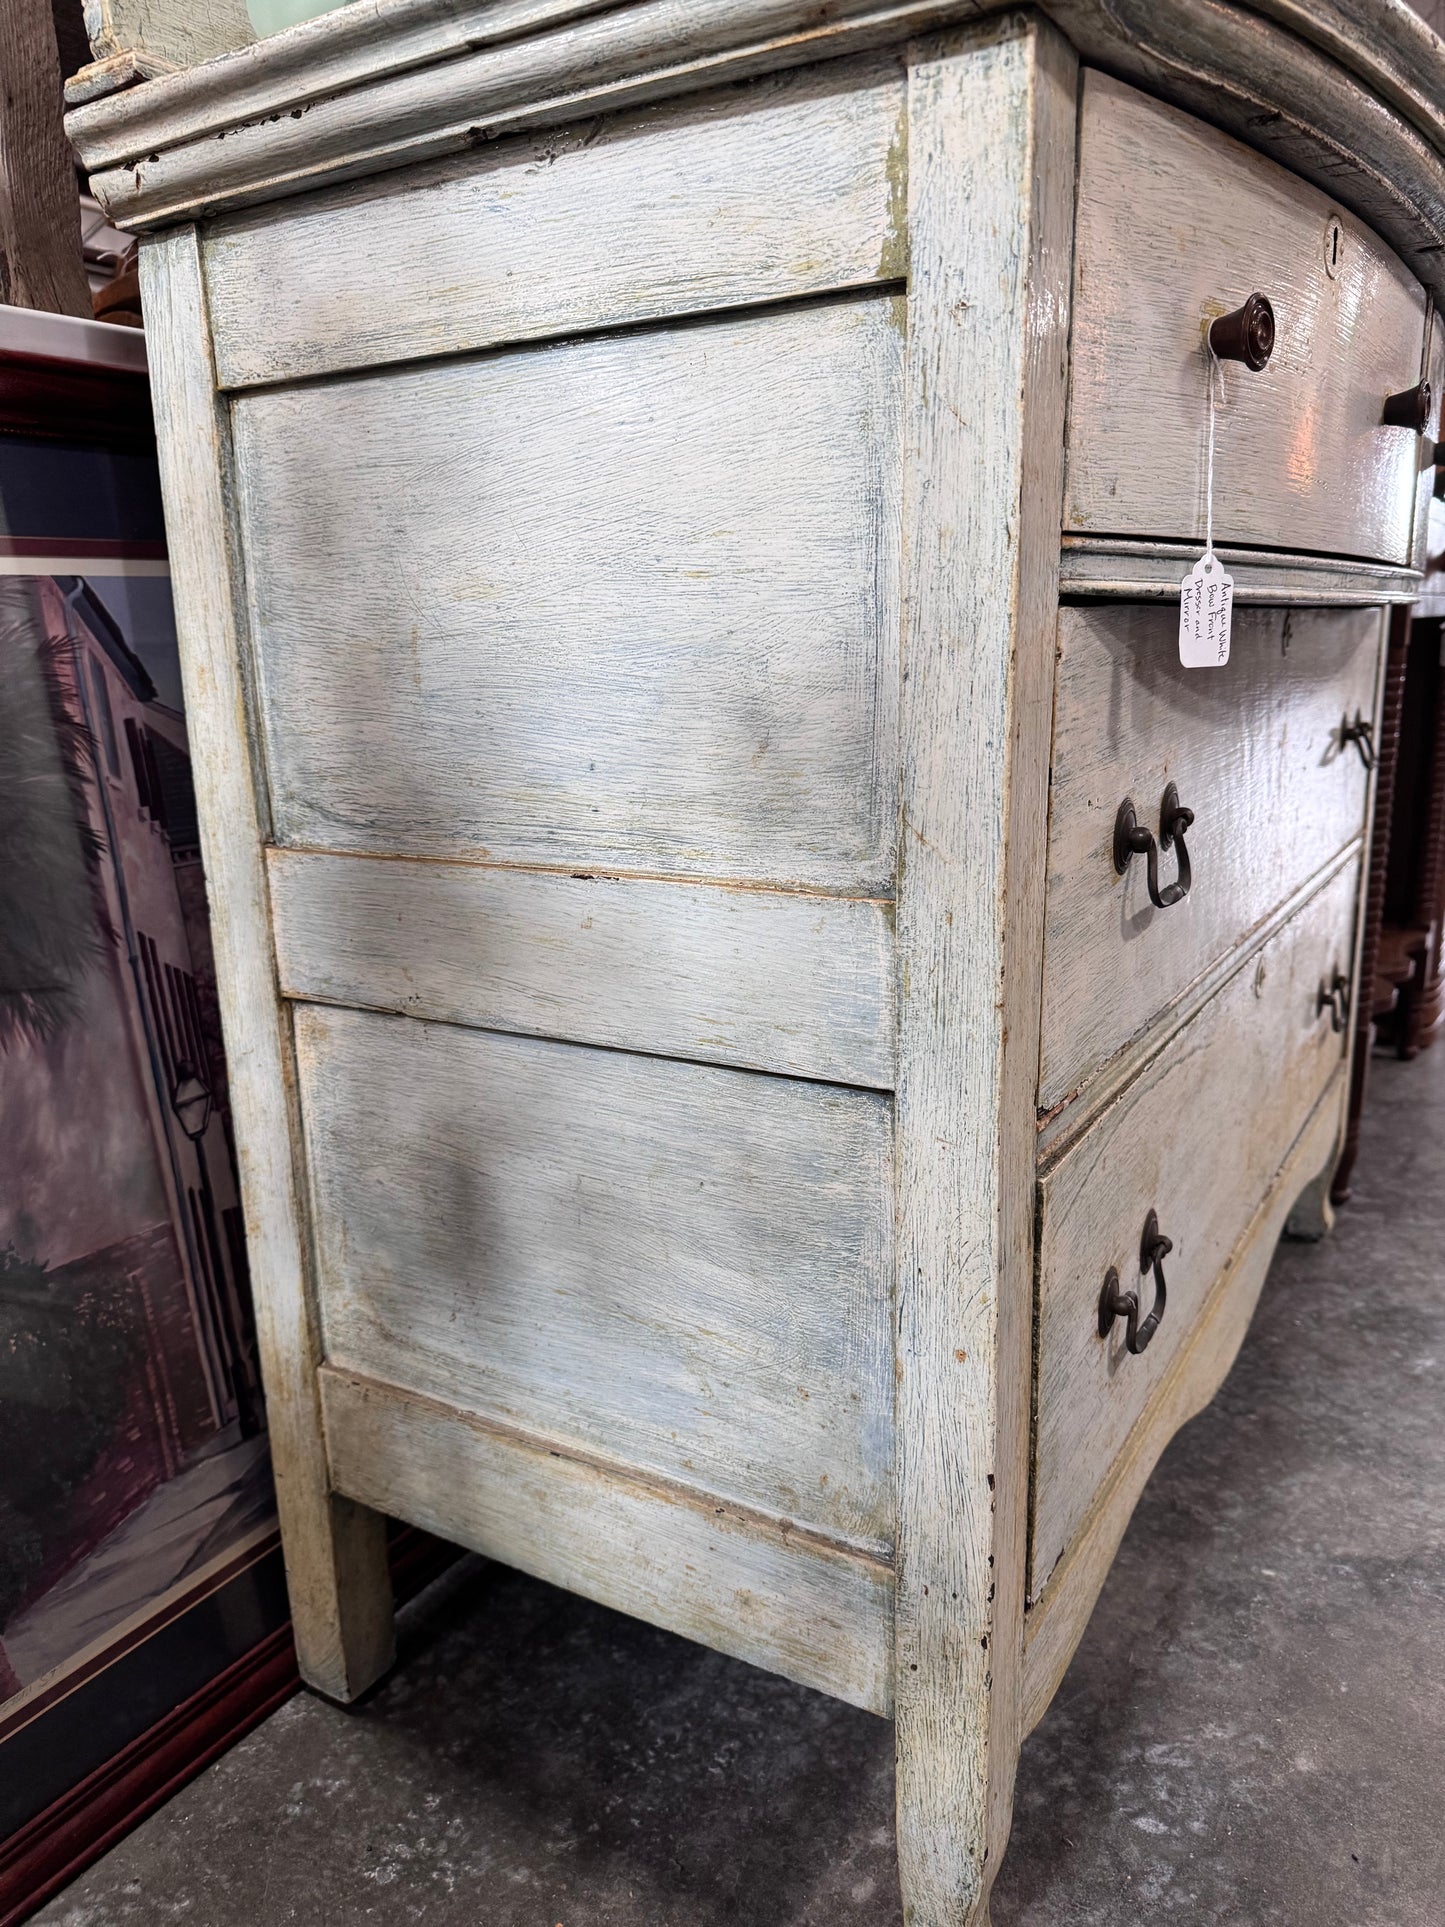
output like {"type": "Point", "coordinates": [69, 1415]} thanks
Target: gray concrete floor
{"type": "Point", "coordinates": [1252, 1732]}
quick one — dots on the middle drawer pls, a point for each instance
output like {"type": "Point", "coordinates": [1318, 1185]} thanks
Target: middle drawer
{"type": "Point", "coordinates": [1259, 750]}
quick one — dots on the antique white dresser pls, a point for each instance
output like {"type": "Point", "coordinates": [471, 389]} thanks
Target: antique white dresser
{"type": "Point", "coordinates": [774, 1027]}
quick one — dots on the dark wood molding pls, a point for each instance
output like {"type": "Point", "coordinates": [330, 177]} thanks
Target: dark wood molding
{"type": "Point", "coordinates": [68, 401]}
{"type": "Point", "coordinates": [1391, 708]}
{"type": "Point", "coordinates": [36, 1862]}
{"type": "Point", "coordinates": [40, 1858]}
{"type": "Point", "coordinates": [1410, 977]}
{"type": "Point", "coordinates": [247, 1556]}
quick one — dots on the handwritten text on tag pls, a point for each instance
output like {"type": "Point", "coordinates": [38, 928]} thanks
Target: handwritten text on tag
{"type": "Point", "coordinates": [1206, 606]}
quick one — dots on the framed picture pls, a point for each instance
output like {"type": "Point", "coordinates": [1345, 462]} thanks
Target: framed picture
{"type": "Point", "coordinates": [143, 1618]}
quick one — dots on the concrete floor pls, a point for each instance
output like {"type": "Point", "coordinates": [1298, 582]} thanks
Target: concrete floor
{"type": "Point", "coordinates": [1253, 1731]}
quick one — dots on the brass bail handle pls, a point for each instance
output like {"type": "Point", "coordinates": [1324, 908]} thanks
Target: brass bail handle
{"type": "Point", "coordinates": [1132, 839]}
{"type": "Point", "coordinates": [1154, 1248]}
{"type": "Point", "coordinates": [1334, 997]}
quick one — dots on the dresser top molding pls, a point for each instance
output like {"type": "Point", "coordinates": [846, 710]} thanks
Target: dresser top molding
{"type": "Point", "coordinates": [1348, 93]}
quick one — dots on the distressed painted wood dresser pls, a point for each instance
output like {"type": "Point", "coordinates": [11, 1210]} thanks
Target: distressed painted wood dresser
{"type": "Point", "coordinates": [774, 1026]}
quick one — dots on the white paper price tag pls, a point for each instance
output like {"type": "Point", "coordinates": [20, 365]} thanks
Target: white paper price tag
{"type": "Point", "coordinates": [1206, 607]}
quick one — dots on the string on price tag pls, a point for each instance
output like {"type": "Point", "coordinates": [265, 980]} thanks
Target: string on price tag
{"type": "Point", "coordinates": [1206, 595]}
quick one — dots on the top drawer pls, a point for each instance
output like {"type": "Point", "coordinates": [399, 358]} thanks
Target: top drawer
{"type": "Point", "coordinates": [1176, 223]}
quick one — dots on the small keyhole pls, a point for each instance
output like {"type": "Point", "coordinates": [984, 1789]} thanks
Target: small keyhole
{"type": "Point", "coordinates": [1334, 246]}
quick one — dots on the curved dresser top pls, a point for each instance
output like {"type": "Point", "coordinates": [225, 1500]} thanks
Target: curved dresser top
{"type": "Point", "coordinates": [1348, 93]}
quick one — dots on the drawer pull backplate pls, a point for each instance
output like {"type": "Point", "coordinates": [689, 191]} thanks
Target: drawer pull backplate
{"type": "Point", "coordinates": [1132, 839]}
{"type": "Point", "coordinates": [1154, 1248]}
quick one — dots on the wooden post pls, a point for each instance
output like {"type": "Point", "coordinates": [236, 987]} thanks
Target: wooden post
{"type": "Point", "coordinates": [336, 1570]}
{"type": "Point", "coordinates": [41, 265]}
{"type": "Point", "coordinates": [990, 211]}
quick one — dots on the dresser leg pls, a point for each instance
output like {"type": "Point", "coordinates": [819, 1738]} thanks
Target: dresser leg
{"type": "Point", "coordinates": [340, 1586]}
{"type": "Point", "coordinates": [947, 1859]}
{"type": "Point", "coordinates": [1313, 1215]}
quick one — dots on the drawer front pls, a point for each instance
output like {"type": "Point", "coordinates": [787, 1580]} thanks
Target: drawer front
{"type": "Point", "coordinates": [1197, 1137]}
{"type": "Point", "coordinates": [1256, 752]}
{"type": "Point", "coordinates": [684, 1269]}
{"type": "Point", "coordinates": [1176, 223]}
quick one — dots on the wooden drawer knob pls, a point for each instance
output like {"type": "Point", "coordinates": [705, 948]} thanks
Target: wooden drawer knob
{"type": "Point", "coordinates": [1247, 335]}
{"type": "Point", "coordinates": [1409, 409]}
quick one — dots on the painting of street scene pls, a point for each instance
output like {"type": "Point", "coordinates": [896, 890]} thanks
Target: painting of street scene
{"type": "Point", "coordinates": [132, 1443]}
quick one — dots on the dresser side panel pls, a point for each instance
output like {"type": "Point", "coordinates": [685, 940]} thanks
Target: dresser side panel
{"type": "Point", "coordinates": [626, 603]}
{"type": "Point", "coordinates": [787, 187]}
{"type": "Point", "coordinates": [685, 1268]}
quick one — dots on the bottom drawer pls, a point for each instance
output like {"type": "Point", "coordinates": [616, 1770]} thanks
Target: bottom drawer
{"type": "Point", "coordinates": [1197, 1137]}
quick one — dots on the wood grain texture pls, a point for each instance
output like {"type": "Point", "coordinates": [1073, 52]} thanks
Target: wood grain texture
{"type": "Point", "coordinates": [770, 980]}
{"type": "Point", "coordinates": [341, 98]}
{"type": "Point", "coordinates": [991, 138]}
{"type": "Point", "coordinates": [1400, 43]}
{"type": "Point", "coordinates": [1056, 1623]}
{"type": "Point", "coordinates": [1178, 222]}
{"type": "Point", "coordinates": [685, 1268]}
{"type": "Point", "coordinates": [709, 1570]}
{"type": "Point", "coordinates": [1352, 105]}
{"type": "Point", "coordinates": [786, 187]}
{"type": "Point", "coordinates": [1255, 748]}
{"type": "Point", "coordinates": [1184, 1141]}
{"type": "Point", "coordinates": [1068, 1122]}
{"type": "Point", "coordinates": [40, 259]}
{"type": "Point", "coordinates": [335, 1551]}
{"type": "Point", "coordinates": [627, 603]}
{"type": "Point", "coordinates": [1325, 114]}
{"type": "Point", "coordinates": [175, 31]}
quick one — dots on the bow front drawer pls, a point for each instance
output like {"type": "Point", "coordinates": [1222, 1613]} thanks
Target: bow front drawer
{"type": "Point", "coordinates": [1268, 755]}
{"type": "Point", "coordinates": [1186, 1156]}
{"type": "Point", "coordinates": [1177, 226]}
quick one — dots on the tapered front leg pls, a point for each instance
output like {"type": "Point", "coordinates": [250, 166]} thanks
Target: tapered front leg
{"type": "Point", "coordinates": [341, 1597]}
{"type": "Point", "coordinates": [1313, 1215]}
{"type": "Point", "coordinates": [991, 115]}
